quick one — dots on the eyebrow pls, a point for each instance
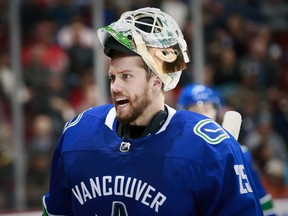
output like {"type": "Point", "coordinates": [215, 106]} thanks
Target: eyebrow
{"type": "Point", "coordinates": [120, 71]}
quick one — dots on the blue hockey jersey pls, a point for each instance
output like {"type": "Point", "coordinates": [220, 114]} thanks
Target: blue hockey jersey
{"type": "Point", "coordinates": [265, 198]}
{"type": "Point", "coordinates": [190, 166]}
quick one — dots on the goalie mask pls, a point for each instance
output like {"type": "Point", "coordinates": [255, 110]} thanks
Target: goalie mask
{"type": "Point", "coordinates": [153, 35]}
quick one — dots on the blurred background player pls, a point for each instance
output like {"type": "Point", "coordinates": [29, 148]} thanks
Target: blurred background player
{"type": "Point", "coordinates": [201, 99]}
{"type": "Point", "coordinates": [207, 101]}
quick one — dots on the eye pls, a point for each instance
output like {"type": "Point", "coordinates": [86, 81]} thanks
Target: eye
{"type": "Point", "coordinates": [126, 76]}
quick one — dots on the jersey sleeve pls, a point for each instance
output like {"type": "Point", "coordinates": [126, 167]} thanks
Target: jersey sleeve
{"type": "Point", "coordinates": [57, 200]}
{"type": "Point", "coordinates": [222, 183]}
{"type": "Point", "coordinates": [226, 185]}
{"type": "Point", "coordinates": [265, 198]}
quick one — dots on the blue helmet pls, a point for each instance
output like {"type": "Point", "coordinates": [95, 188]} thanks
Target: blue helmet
{"type": "Point", "coordinates": [197, 93]}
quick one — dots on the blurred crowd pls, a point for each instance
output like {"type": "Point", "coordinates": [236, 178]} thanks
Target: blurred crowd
{"type": "Point", "coordinates": [246, 61]}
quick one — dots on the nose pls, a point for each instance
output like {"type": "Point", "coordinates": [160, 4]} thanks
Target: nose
{"type": "Point", "coordinates": [115, 86]}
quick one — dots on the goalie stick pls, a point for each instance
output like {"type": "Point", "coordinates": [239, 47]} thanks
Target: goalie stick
{"type": "Point", "coordinates": [232, 123]}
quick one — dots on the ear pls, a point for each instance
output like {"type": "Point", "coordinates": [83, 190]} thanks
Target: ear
{"type": "Point", "coordinates": [157, 83]}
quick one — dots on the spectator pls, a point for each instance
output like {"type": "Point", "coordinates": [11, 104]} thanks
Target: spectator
{"type": "Point", "coordinates": [227, 72]}
{"type": "Point", "coordinates": [260, 64]}
{"type": "Point", "coordinates": [275, 13]}
{"type": "Point", "coordinates": [43, 46]}
{"type": "Point", "coordinates": [274, 179]}
{"type": "Point", "coordinates": [40, 147]}
{"type": "Point", "coordinates": [264, 131]}
{"type": "Point", "coordinates": [76, 32]}
{"type": "Point", "coordinates": [174, 8]}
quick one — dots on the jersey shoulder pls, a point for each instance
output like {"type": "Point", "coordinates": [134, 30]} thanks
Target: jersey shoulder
{"type": "Point", "coordinates": [201, 128]}
{"type": "Point", "coordinates": [201, 135]}
{"type": "Point", "coordinates": [86, 128]}
{"type": "Point", "coordinates": [94, 113]}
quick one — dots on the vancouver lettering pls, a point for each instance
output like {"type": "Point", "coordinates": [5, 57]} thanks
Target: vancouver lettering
{"type": "Point", "coordinates": [119, 186]}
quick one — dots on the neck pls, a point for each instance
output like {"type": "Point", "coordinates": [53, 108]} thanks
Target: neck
{"type": "Point", "coordinates": [134, 131]}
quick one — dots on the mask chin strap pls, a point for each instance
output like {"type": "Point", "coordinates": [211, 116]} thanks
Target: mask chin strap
{"type": "Point", "coordinates": [156, 122]}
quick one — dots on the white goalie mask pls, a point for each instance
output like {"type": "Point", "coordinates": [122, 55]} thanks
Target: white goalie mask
{"type": "Point", "coordinates": [155, 36]}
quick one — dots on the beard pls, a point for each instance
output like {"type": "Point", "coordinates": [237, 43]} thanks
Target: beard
{"type": "Point", "coordinates": [135, 108]}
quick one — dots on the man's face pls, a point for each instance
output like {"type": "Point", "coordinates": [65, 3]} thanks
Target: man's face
{"type": "Point", "coordinates": [130, 87]}
{"type": "Point", "coordinates": [207, 109]}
